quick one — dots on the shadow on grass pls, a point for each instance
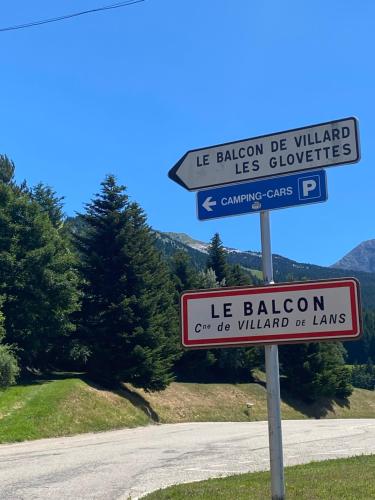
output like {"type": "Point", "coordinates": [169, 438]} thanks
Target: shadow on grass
{"type": "Point", "coordinates": [317, 409]}
{"type": "Point", "coordinates": [33, 378]}
{"type": "Point", "coordinates": [132, 396]}
{"type": "Point", "coordinates": [138, 401]}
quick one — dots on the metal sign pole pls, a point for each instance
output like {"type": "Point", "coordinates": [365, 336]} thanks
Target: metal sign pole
{"type": "Point", "coordinates": [272, 377]}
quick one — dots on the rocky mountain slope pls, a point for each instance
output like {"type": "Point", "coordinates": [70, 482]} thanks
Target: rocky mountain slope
{"type": "Point", "coordinates": [284, 269]}
{"type": "Point", "coordinates": [361, 258]}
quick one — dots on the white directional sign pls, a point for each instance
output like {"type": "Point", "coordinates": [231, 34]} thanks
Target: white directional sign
{"type": "Point", "coordinates": [283, 313]}
{"type": "Point", "coordinates": [317, 146]}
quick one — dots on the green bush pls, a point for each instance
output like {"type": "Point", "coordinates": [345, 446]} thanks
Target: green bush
{"type": "Point", "coordinates": [9, 369]}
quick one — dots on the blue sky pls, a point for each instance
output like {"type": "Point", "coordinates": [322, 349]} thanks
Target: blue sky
{"type": "Point", "coordinates": [129, 91]}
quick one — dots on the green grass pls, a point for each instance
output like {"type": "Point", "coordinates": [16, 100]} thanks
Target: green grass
{"type": "Point", "coordinates": [190, 402]}
{"type": "Point", "coordinates": [344, 479]}
{"type": "Point", "coordinates": [61, 408]}
{"type": "Point", "coordinates": [66, 406]}
{"type": "Point", "coordinates": [258, 274]}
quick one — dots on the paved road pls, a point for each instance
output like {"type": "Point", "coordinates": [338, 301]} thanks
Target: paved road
{"type": "Point", "coordinates": [129, 463]}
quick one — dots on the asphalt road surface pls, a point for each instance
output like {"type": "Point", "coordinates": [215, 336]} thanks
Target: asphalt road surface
{"type": "Point", "coordinates": [130, 463]}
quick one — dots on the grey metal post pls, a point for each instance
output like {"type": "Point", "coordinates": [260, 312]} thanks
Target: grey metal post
{"type": "Point", "coordinates": [272, 377]}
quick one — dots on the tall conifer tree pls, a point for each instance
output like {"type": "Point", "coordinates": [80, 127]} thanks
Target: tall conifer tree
{"type": "Point", "coordinates": [231, 364]}
{"type": "Point", "coordinates": [50, 203]}
{"type": "Point", "coordinates": [7, 169]}
{"type": "Point", "coordinates": [37, 277]}
{"type": "Point", "coordinates": [128, 320]}
{"type": "Point", "coordinates": [184, 275]}
{"type": "Point", "coordinates": [217, 259]}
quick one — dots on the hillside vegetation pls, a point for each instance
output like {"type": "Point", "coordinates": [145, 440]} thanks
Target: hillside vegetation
{"type": "Point", "coordinates": [94, 294]}
{"type": "Point", "coordinates": [187, 402]}
{"type": "Point", "coordinates": [67, 406]}
{"type": "Point", "coordinates": [284, 269]}
{"type": "Point", "coordinates": [51, 408]}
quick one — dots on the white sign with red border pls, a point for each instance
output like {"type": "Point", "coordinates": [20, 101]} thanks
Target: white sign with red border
{"type": "Point", "coordinates": [274, 314]}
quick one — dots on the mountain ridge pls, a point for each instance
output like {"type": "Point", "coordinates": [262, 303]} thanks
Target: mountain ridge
{"type": "Point", "coordinates": [361, 258]}
{"type": "Point", "coordinates": [284, 269]}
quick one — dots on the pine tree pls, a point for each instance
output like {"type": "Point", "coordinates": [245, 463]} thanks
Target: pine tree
{"type": "Point", "coordinates": [128, 322]}
{"type": "Point", "coordinates": [184, 276]}
{"type": "Point", "coordinates": [361, 350]}
{"type": "Point", "coordinates": [37, 279]}
{"type": "Point", "coordinates": [237, 276]}
{"type": "Point", "coordinates": [192, 365]}
{"type": "Point", "coordinates": [316, 369]}
{"type": "Point", "coordinates": [50, 203]}
{"type": "Point", "coordinates": [9, 369]}
{"type": "Point", "coordinates": [2, 320]}
{"type": "Point", "coordinates": [208, 279]}
{"type": "Point", "coordinates": [231, 364]}
{"type": "Point", "coordinates": [7, 169]}
{"type": "Point", "coordinates": [217, 259]}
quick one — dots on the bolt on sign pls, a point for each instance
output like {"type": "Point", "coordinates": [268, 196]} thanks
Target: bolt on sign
{"type": "Point", "coordinates": [283, 313]}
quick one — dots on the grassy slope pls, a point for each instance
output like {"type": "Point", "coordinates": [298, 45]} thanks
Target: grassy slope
{"type": "Point", "coordinates": [184, 402]}
{"type": "Point", "coordinates": [346, 479]}
{"type": "Point", "coordinates": [71, 406]}
{"type": "Point", "coordinates": [258, 274]}
{"type": "Point", "coordinates": [61, 408]}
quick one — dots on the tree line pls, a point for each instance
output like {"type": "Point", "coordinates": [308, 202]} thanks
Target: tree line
{"type": "Point", "coordinates": [93, 293]}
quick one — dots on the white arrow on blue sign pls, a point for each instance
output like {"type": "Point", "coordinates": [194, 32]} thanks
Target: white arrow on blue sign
{"type": "Point", "coordinates": [270, 194]}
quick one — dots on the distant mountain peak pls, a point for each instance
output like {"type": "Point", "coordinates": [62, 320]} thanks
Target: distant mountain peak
{"type": "Point", "coordinates": [284, 269]}
{"type": "Point", "coordinates": [203, 246]}
{"type": "Point", "coordinates": [361, 258]}
{"type": "Point", "coordinates": [189, 241]}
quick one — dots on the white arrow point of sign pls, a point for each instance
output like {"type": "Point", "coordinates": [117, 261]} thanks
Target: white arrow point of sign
{"type": "Point", "coordinates": [207, 204]}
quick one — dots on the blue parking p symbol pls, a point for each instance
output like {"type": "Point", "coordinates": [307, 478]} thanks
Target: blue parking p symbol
{"type": "Point", "coordinates": [309, 187]}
